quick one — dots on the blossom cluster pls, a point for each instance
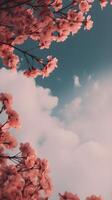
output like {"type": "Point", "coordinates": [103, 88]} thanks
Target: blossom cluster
{"type": "Point", "coordinates": [28, 176]}
{"type": "Point", "coordinates": [44, 21]}
{"type": "Point", "coordinates": [103, 3]}
{"type": "Point", "coordinates": [47, 69]}
{"type": "Point", "coordinates": [70, 196]}
{"type": "Point", "coordinates": [26, 179]}
{"type": "Point", "coordinates": [13, 118]}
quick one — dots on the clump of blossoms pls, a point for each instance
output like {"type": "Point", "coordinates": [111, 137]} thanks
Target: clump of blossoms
{"type": "Point", "coordinates": [13, 118]}
{"type": "Point", "coordinates": [42, 21]}
{"type": "Point", "coordinates": [68, 196]}
{"type": "Point", "coordinates": [27, 176]}
{"type": "Point", "coordinates": [47, 69]}
{"type": "Point", "coordinates": [71, 196]}
{"type": "Point", "coordinates": [94, 197]}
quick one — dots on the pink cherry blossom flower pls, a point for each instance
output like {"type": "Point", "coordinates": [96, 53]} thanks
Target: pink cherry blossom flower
{"type": "Point", "coordinates": [20, 39]}
{"type": "Point", "coordinates": [46, 184]}
{"type": "Point", "coordinates": [103, 3]}
{"type": "Point", "coordinates": [26, 149]}
{"type": "Point", "coordinates": [68, 196]}
{"type": "Point", "coordinates": [11, 61]}
{"type": "Point", "coordinates": [30, 161]}
{"type": "Point", "coordinates": [13, 118]}
{"type": "Point", "coordinates": [57, 5]}
{"type": "Point", "coordinates": [88, 23]}
{"type": "Point", "coordinates": [28, 191]}
{"type": "Point", "coordinates": [6, 100]}
{"type": "Point", "coordinates": [84, 6]}
{"type": "Point", "coordinates": [50, 66]}
{"type": "Point", "coordinates": [71, 14]}
{"type": "Point", "coordinates": [8, 140]}
{"type": "Point", "coordinates": [94, 197]}
{"type": "Point", "coordinates": [33, 73]}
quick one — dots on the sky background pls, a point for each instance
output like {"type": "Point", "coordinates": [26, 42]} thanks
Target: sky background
{"type": "Point", "coordinates": [67, 117]}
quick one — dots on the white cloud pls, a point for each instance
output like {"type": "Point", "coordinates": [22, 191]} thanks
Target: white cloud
{"type": "Point", "coordinates": [89, 77]}
{"type": "Point", "coordinates": [71, 110]}
{"type": "Point", "coordinates": [79, 147]}
{"type": "Point", "coordinates": [77, 81]}
{"type": "Point", "coordinates": [93, 158]}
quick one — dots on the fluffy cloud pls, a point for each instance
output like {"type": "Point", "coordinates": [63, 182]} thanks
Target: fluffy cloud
{"type": "Point", "coordinates": [77, 81]}
{"type": "Point", "coordinates": [79, 144]}
{"type": "Point", "coordinates": [89, 117]}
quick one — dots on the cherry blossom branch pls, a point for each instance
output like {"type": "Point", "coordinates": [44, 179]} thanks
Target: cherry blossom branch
{"type": "Point", "coordinates": [25, 169]}
{"type": "Point", "coordinates": [2, 109]}
{"type": "Point", "coordinates": [25, 52]}
{"type": "Point", "coordinates": [3, 124]}
{"type": "Point", "coordinates": [12, 157]}
{"type": "Point", "coordinates": [65, 7]}
{"type": "Point", "coordinates": [16, 5]}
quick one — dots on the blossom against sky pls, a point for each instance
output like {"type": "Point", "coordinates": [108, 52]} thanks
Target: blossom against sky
{"type": "Point", "coordinates": [87, 53]}
{"type": "Point", "coordinates": [69, 125]}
